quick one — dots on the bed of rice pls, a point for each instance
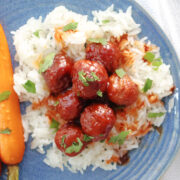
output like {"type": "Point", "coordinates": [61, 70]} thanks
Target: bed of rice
{"type": "Point", "coordinates": [31, 49]}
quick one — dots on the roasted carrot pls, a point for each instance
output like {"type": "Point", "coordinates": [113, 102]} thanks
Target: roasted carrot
{"type": "Point", "coordinates": [11, 131]}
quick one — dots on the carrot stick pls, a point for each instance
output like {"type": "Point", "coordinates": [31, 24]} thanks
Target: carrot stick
{"type": "Point", "coordinates": [11, 145]}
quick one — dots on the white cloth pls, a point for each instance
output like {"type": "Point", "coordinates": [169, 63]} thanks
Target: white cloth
{"type": "Point", "coordinates": [167, 14]}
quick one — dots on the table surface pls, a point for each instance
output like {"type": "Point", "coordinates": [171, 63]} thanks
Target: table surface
{"type": "Point", "coordinates": [166, 13]}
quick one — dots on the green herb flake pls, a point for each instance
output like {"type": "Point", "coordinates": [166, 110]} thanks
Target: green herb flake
{"type": "Point", "coordinates": [101, 141]}
{"type": "Point", "coordinates": [62, 141]}
{"type": "Point", "coordinates": [70, 26]}
{"type": "Point", "coordinates": [99, 93]}
{"type": "Point", "coordinates": [56, 103]}
{"type": "Point", "coordinates": [5, 131]}
{"type": "Point", "coordinates": [30, 86]}
{"type": "Point", "coordinates": [75, 147]}
{"type": "Point", "coordinates": [4, 95]}
{"type": "Point", "coordinates": [36, 33]}
{"type": "Point", "coordinates": [105, 21]}
{"type": "Point", "coordinates": [148, 85]}
{"type": "Point", "coordinates": [154, 115]}
{"type": "Point", "coordinates": [96, 78]}
{"type": "Point", "coordinates": [54, 124]}
{"type": "Point", "coordinates": [78, 94]}
{"type": "Point", "coordinates": [156, 63]}
{"type": "Point", "coordinates": [98, 40]}
{"type": "Point", "coordinates": [47, 62]}
{"type": "Point", "coordinates": [120, 72]}
{"type": "Point", "coordinates": [82, 78]}
{"type": "Point", "coordinates": [149, 56]}
{"type": "Point", "coordinates": [87, 138]}
{"type": "Point", "coordinates": [120, 138]}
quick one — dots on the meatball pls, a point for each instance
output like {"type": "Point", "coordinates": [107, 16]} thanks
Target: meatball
{"type": "Point", "coordinates": [69, 139]}
{"type": "Point", "coordinates": [58, 76]}
{"type": "Point", "coordinates": [108, 55]}
{"type": "Point", "coordinates": [89, 79]}
{"type": "Point", "coordinates": [122, 91]}
{"type": "Point", "coordinates": [97, 120]}
{"type": "Point", "coordinates": [69, 106]}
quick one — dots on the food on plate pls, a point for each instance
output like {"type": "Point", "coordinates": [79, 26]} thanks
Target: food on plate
{"type": "Point", "coordinates": [89, 78]}
{"type": "Point", "coordinates": [96, 88]}
{"type": "Point", "coordinates": [11, 130]}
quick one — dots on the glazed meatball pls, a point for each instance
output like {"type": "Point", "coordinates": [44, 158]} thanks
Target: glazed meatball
{"type": "Point", "coordinates": [122, 91]}
{"type": "Point", "coordinates": [69, 106]}
{"type": "Point", "coordinates": [68, 137]}
{"type": "Point", "coordinates": [89, 79]}
{"type": "Point", "coordinates": [58, 76]}
{"type": "Point", "coordinates": [108, 55]}
{"type": "Point", "coordinates": [97, 120]}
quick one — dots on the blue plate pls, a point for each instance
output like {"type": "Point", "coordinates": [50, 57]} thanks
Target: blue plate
{"type": "Point", "coordinates": [155, 153]}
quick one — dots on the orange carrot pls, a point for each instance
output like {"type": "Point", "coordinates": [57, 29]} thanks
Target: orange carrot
{"type": "Point", "coordinates": [11, 145]}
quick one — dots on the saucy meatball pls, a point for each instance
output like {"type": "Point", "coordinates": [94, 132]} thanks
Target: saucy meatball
{"type": "Point", "coordinates": [108, 55]}
{"type": "Point", "coordinates": [69, 106]}
{"type": "Point", "coordinates": [89, 79]}
{"type": "Point", "coordinates": [69, 139]}
{"type": "Point", "coordinates": [122, 91]}
{"type": "Point", "coordinates": [97, 120]}
{"type": "Point", "coordinates": [58, 76]}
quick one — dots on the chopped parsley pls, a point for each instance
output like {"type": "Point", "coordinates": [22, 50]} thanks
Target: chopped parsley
{"type": "Point", "coordinates": [120, 138]}
{"type": "Point", "coordinates": [30, 86]}
{"type": "Point", "coordinates": [87, 138]}
{"type": "Point", "coordinates": [54, 124]}
{"type": "Point", "coordinates": [149, 56]}
{"type": "Point", "coordinates": [70, 26]}
{"type": "Point", "coordinates": [5, 131]}
{"type": "Point", "coordinates": [154, 115]}
{"type": "Point", "coordinates": [120, 72]}
{"type": "Point", "coordinates": [4, 95]}
{"type": "Point", "coordinates": [62, 141]}
{"type": "Point", "coordinates": [36, 33]}
{"type": "Point", "coordinates": [75, 147]}
{"type": "Point", "coordinates": [56, 103]}
{"type": "Point", "coordinates": [99, 93]}
{"type": "Point", "coordinates": [105, 21]}
{"type": "Point", "coordinates": [85, 79]}
{"type": "Point", "coordinates": [47, 62]}
{"type": "Point", "coordinates": [98, 40]}
{"type": "Point", "coordinates": [82, 78]}
{"type": "Point", "coordinates": [148, 85]}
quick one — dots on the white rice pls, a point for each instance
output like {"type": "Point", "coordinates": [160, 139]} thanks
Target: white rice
{"type": "Point", "coordinates": [29, 49]}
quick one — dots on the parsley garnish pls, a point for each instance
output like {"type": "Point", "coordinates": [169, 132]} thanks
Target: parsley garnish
{"type": "Point", "coordinates": [56, 103]}
{"type": "Point", "coordinates": [149, 56]}
{"type": "Point", "coordinates": [5, 131]}
{"type": "Point", "coordinates": [154, 115]}
{"type": "Point", "coordinates": [4, 95]}
{"type": "Point", "coordinates": [47, 62]}
{"type": "Point", "coordinates": [82, 78]}
{"type": "Point", "coordinates": [36, 33]}
{"type": "Point", "coordinates": [96, 78]}
{"type": "Point", "coordinates": [120, 138]}
{"type": "Point", "coordinates": [98, 40]}
{"type": "Point", "coordinates": [54, 124]}
{"type": "Point", "coordinates": [105, 21]}
{"type": "Point", "coordinates": [148, 85]}
{"type": "Point", "coordinates": [70, 26]}
{"type": "Point", "coordinates": [75, 147]}
{"type": "Point", "coordinates": [62, 141]}
{"type": "Point", "coordinates": [120, 72]}
{"type": "Point", "coordinates": [85, 79]}
{"type": "Point", "coordinates": [87, 138]}
{"type": "Point", "coordinates": [99, 93]}
{"type": "Point", "coordinates": [30, 86]}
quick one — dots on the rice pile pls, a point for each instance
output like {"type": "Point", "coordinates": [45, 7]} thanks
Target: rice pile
{"type": "Point", "coordinates": [30, 50]}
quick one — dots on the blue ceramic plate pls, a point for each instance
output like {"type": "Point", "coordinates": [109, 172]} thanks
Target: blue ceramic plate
{"type": "Point", "coordinates": [155, 153]}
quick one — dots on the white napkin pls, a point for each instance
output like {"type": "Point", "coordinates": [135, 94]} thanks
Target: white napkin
{"type": "Point", "coordinates": [167, 14]}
